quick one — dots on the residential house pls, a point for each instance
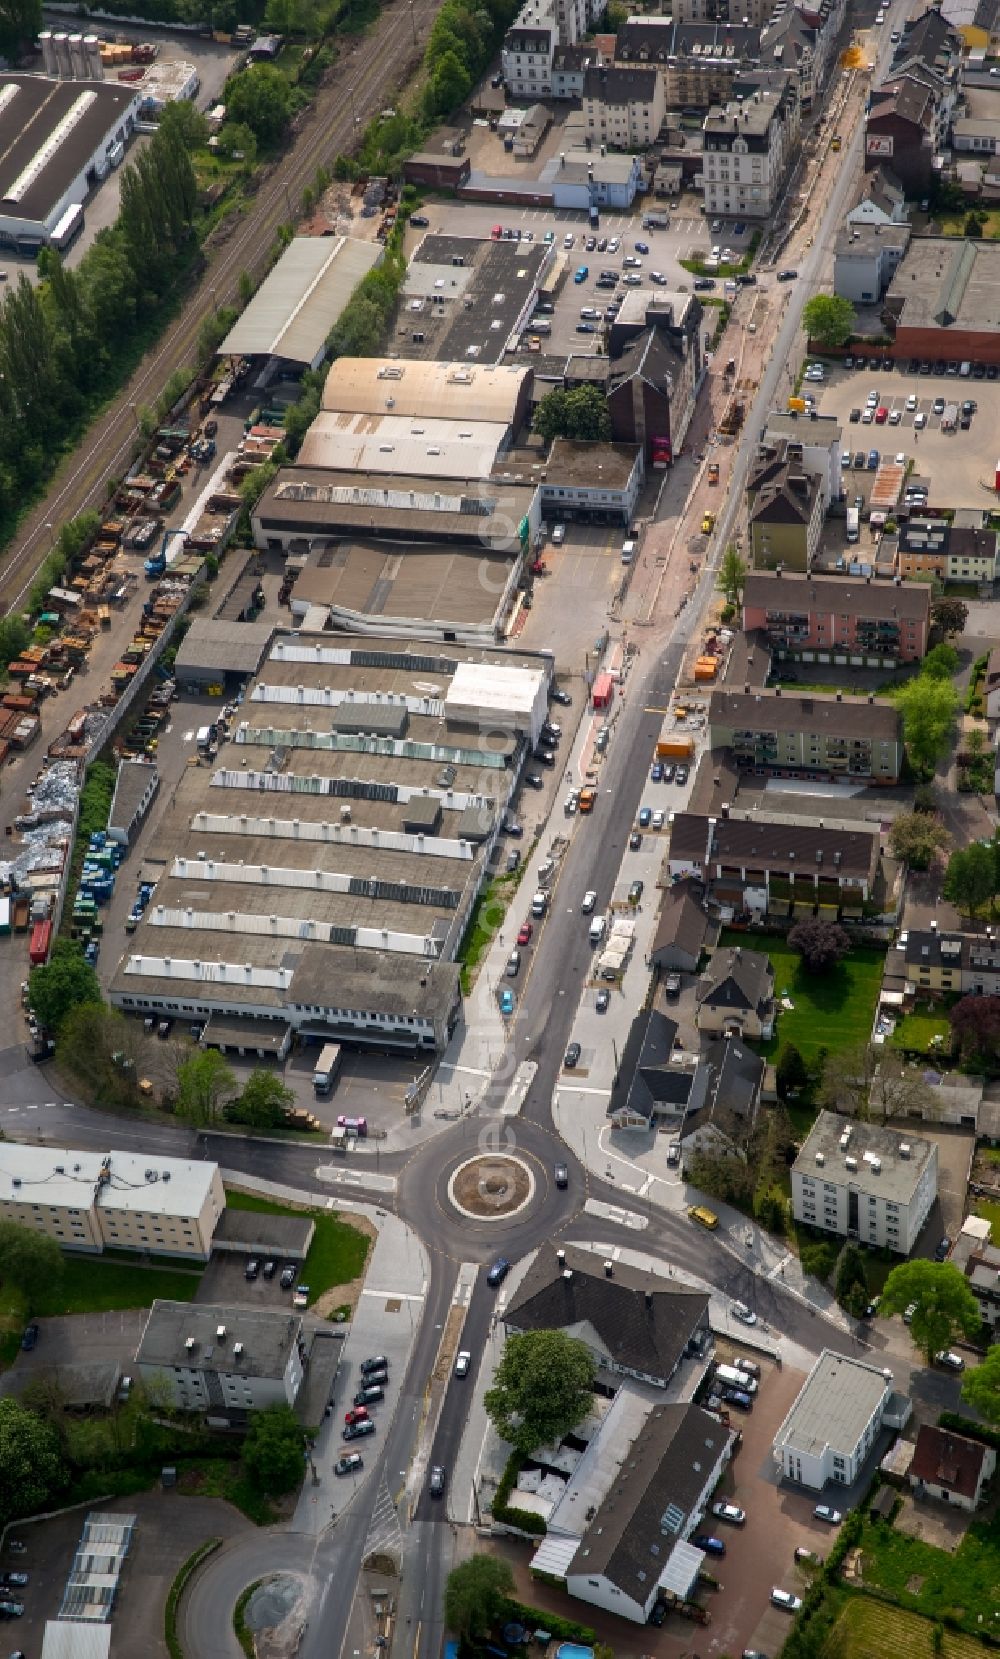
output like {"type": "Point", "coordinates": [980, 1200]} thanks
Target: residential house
{"type": "Point", "coordinates": [754, 864]}
{"type": "Point", "coordinates": [656, 1082]}
{"type": "Point", "coordinates": [789, 41]}
{"type": "Point", "coordinates": [815, 440]}
{"type": "Point", "coordinates": [834, 1423]}
{"type": "Point", "coordinates": [930, 42]}
{"type": "Point", "coordinates": [951, 1467]}
{"type": "Point", "coordinates": [724, 1121]}
{"type": "Point", "coordinates": [736, 13]}
{"type": "Point", "coordinates": [699, 63]}
{"type": "Point", "coordinates": [569, 66]}
{"type": "Point", "coordinates": [981, 1266]}
{"type": "Point", "coordinates": [975, 135]}
{"type": "Point", "coordinates": [865, 260]}
{"type": "Point", "coordinates": [594, 481]}
{"type": "Point", "coordinates": [635, 1547]}
{"type": "Point", "coordinates": [865, 1181]}
{"type": "Point", "coordinates": [830, 736]}
{"type": "Point", "coordinates": [735, 994]}
{"type": "Point", "coordinates": [941, 963]}
{"type": "Point", "coordinates": [786, 508]}
{"type": "Point", "coordinates": [623, 105]}
{"type": "Point", "coordinates": [882, 200]}
{"type": "Point", "coordinates": [223, 1361]}
{"type": "Point", "coordinates": [529, 49]}
{"type": "Point", "coordinates": [586, 179]}
{"type": "Point", "coordinates": [635, 1322]}
{"type": "Point", "coordinates": [868, 623]}
{"type": "Point", "coordinates": [929, 545]}
{"type": "Point", "coordinates": [748, 149]}
{"type": "Point", "coordinates": [900, 129]}
{"type": "Point", "coordinates": [978, 23]}
{"type": "Point", "coordinates": [656, 357]}
{"type": "Point", "coordinates": [681, 929]}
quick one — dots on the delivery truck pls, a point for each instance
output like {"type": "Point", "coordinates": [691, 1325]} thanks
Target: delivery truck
{"type": "Point", "coordinates": [853, 524]}
{"type": "Point", "coordinates": [327, 1067]}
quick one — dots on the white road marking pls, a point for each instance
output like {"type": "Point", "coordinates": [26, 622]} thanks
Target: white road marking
{"type": "Point", "coordinates": [396, 1295]}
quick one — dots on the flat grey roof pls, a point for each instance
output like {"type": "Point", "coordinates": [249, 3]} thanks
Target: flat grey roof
{"type": "Point", "coordinates": [473, 311]}
{"type": "Point", "coordinates": [238, 647]}
{"type": "Point", "coordinates": [898, 1174]}
{"type": "Point", "coordinates": [942, 282]}
{"type": "Point", "coordinates": [268, 1336]}
{"type": "Point", "coordinates": [296, 306]}
{"type": "Point", "coordinates": [834, 1405]}
{"type": "Point", "coordinates": [74, 116]}
{"type": "Point", "coordinates": [278, 1235]}
{"type": "Point", "coordinates": [450, 582]}
{"type": "Point", "coordinates": [409, 509]}
{"type": "Point", "coordinates": [592, 465]}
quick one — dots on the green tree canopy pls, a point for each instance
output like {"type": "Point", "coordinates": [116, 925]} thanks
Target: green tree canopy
{"type": "Point", "coordinates": [581, 414]}
{"type": "Point", "coordinates": [262, 1102]}
{"type": "Point", "coordinates": [928, 707]}
{"type": "Point", "coordinates": [31, 1470]}
{"type": "Point", "coordinates": [950, 615]}
{"type": "Point", "coordinates": [970, 880]}
{"type": "Point", "coordinates": [20, 21]}
{"type": "Point", "coordinates": [204, 1081]}
{"type": "Point", "coordinates": [820, 943]}
{"type": "Point", "coordinates": [262, 98]}
{"type": "Point", "coordinates": [30, 1261]}
{"type": "Point", "coordinates": [945, 1306]}
{"type": "Point", "coordinates": [981, 1386]}
{"type": "Point", "coordinates": [941, 663]}
{"type": "Point", "coordinates": [237, 141]}
{"type": "Point", "coordinates": [732, 576]}
{"type": "Point", "coordinates": [476, 1594]}
{"type": "Point", "coordinates": [851, 1284]}
{"type": "Point", "coordinates": [273, 1450]}
{"type": "Point", "coordinates": [448, 86]}
{"type": "Point", "coordinates": [63, 983]}
{"type": "Point", "coordinates": [829, 320]}
{"type": "Point", "coordinates": [916, 839]}
{"type": "Point", "coordinates": [790, 1074]}
{"type": "Point", "coordinates": [189, 123]}
{"type": "Point", "coordinates": [543, 1385]}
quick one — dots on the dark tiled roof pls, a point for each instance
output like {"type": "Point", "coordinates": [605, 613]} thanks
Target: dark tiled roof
{"type": "Point", "coordinates": [642, 1325]}
{"type": "Point", "coordinates": [780, 712]}
{"type": "Point", "coordinates": [682, 923]}
{"type": "Point", "coordinates": [736, 978]}
{"type": "Point", "coordinates": [946, 1459]}
{"type": "Point", "coordinates": [620, 84]}
{"type": "Point", "coordinates": [782, 848]}
{"type": "Point", "coordinates": [648, 1077]}
{"type": "Point", "coordinates": [665, 1472]}
{"type": "Point", "coordinates": [791, 591]}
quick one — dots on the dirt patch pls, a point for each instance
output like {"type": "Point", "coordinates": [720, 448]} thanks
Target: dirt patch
{"type": "Point", "coordinates": [346, 1296]}
{"type": "Point", "coordinates": [449, 1343]}
{"type": "Point", "coordinates": [491, 1186]}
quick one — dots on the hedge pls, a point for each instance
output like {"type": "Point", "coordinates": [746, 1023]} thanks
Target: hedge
{"type": "Point", "coordinates": [973, 1431]}
{"type": "Point", "coordinates": [184, 1572]}
{"type": "Point", "coordinates": [523, 1519]}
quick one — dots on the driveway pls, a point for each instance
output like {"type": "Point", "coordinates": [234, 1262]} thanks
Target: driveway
{"type": "Point", "coordinates": [88, 1350]}
{"type": "Point", "coordinates": [955, 1151]}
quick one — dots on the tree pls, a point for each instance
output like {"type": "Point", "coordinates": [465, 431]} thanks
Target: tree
{"type": "Point", "coordinates": [31, 1261]}
{"type": "Point", "coordinates": [791, 1075]}
{"type": "Point", "coordinates": [187, 121]}
{"type": "Point", "coordinates": [981, 1387]}
{"type": "Point", "coordinates": [941, 663]}
{"type": "Point", "coordinates": [63, 983]}
{"type": "Point", "coordinates": [31, 1470]}
{"type": "Point", "coordinates": [101, 1048]}
{"type": "Point", "coordinates": [543, 1385]}
{"type": "Point", "coordinates": [581, 414]}
{"type": "Point", "coordinates": [975, 1022]}
{"type": "Point", "coordinates": [20, 21]}
{"type": "Point", "coordinates": [449, 85]}
{"type": "Point", "coordinates": [867, 1082]}
{"type": "Point", "coordinates": [262, 98]}
{"type": "Point", "coordinates": [970, 880]}
{"type": "Point", "coordinates": [928, 707]}
{"type": "Point", "coordinates": [820, 944]}
{"type": "Point", "coordinates": [263, 1101]}
{"type": "Point", "coordinates": [851, 1283]}
{"type": "Point", "coordinates": [916, 839]}
{"type": "Point", "coordinates": [732, 575]}
{"type": "Point", "coordinates": [204, 1079]}
{"type": "Point", "coordinates": [945, 1306]}
{"type": "Point", "coordinates": [236, 142]}
{"type": "Point", "coordinates": [273, 1450]}
{"type": "Point", "coordinates": [950, 615]}
{"type": "Point", "coordinates": [476, 1594]}
{"type": "Point", "coordinates": [829, 319]}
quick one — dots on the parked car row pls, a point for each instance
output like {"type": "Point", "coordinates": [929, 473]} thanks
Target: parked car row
{"type": "Point", "coordinates": [254, 1268]}
{"type": "Point", "coordinates": [358, 1421]}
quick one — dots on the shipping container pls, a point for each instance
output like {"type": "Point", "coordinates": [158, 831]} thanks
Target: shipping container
{"type": "Point", "coordinates": [41, 939]}
{"type": "Point", "coordinates": [675, 748]}
{"type": "Point", "coordinates": [604, 690]}
{"type": "Point", "coordinates": [22, 910]}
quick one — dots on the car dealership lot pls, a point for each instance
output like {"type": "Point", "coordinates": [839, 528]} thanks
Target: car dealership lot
{"type": "Point", "coordinates": [956, 463]}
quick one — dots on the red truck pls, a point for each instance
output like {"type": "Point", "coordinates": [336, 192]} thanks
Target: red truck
{"type": "Point", "coordinates": [41, 940]}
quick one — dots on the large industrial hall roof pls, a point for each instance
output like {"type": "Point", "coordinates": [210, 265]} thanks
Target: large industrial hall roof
{"type": "Point", "coordinates": [293, 311]}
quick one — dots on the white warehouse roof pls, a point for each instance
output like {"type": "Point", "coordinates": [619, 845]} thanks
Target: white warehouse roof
{"type": "Point", "coordinates": [448, 391]}
{"type": "Point", "coordinates": [494, 689]}
{"type": "Point", "coordinates": [295, 308]}
{"type": "Point", "coordinates": [417, 445]}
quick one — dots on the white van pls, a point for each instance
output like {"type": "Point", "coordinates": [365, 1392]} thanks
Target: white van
{"type": "Point", "coordinates": [732, 1378]}
{"type": "Point", "coordinates": [597, 927]}
{"type": "Point", "coordinates": [628, 552]}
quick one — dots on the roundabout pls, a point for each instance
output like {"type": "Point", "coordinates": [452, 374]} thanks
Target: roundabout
{"type": "Point", "coordinates": [493, 1186]}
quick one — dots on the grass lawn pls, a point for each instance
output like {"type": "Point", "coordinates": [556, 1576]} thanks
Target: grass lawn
{"type": "Point", "coordinates": [934, 1582]}
{"type": "Point", "coordinates": [833, 1010]}
{"type": "Point", "coordinates": [925, 1031]}
{"type": "Point", "coordinates": [99, 1285]}
{"type": "Point", "coordinates": [990, 1212]}
{"type": "Point", "coordinates": [338, 1251]}
{"type": "Point", "coordinates": [486, 920]}
{"type": "Point", "coordinates": [865, 1627]}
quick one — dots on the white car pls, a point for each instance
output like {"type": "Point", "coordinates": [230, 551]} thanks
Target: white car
{"type": "Point", "coordinates": [920, 421]}
{"type": "Point", "coordinates": [589, 901]}
{"type": "Point", "coordinates": [558, 535]}
{"type": "Point", "coordinates": [614, 244]}
{"type": "Point", "coordinates": [911, 402]}
{"type": "Point", "coordinates": [950, 1360]}
{"type": "Point", "coordinates": [867, 416]}
{"type": "Point", "coordinates": [462, 1363]}
{"type": "Point", "coordinates": [745, 1315]}
{"type": "Point", "coordinates": [631, 279]}
{"type": "Point", "coordinates": [571, 803]}
{"type": "Point", "coordinates": [658, 820]}
{"type": "Point", "coordinates": [814, 374]}
{"type": "Point", "coordinates": [785, 1599]}
{"type": "Point", "coordinates": [895, 416]}
{"type": "Point", "coordinates": [568, 239]}
{"type": "Point", "coordinates": [871, 401]}
{"type": "Point", "coordinates": [729, 1512]}
{"type": "Point", "coordinates": [823, 1512]}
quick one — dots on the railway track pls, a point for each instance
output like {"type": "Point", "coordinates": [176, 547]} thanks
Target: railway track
{"type": "Point", "coordinates": [361, 86]}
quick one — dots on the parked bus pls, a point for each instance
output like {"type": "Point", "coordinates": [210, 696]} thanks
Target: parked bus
{"type": "Point", "coordinates": [68, 229]}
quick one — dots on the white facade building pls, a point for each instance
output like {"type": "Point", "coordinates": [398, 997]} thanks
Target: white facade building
{"type": "Point", "coordinates": [623, 105]}
{"type": "Point", "coordinates": [748, 147]}
{"type": "Point", "coordinates": [861, 1181]}
{"type": "Point", "coordinates": [222, 1361]}
{"type": "Point", "coordinates": [834, 1422]}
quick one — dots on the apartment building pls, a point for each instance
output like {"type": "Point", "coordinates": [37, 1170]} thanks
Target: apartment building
{"type": "Point", "coordinates": [786, 509]}
{"type": "Point", "coordinates": [865, 260]}
{"type": "Point", "coordinates": [699, 62]}
{"type": "Point", "coordinates": [656, 361]}
{"type": "Point", "coordinates": [748, 148]}
{"type": "Point", "coordinates": [94, 1201]}
{"type": "Point", "coordinates": [830, 736]}
{"type": "Point", "coordinates": [867, 624]}
{"type": "Point", "coordinates": [865, 1181]}
{"type": "Point", "coordinates": [736, 13]}
{"type": "Point", "coordinates": [623, 106]}
{"type": "Point", "coordinates": [225, 1362]}
{"type": "Point", "coordinates": [529, 50]}
{"type": "Point", "coordinates": [959, 963]}
{"type": "Point", "coordinates": [834, 1422]}
{"type": "Point", "coordinates": [952, 551]}
{"type": "Point", "coordinates": [735, 995]}
{"type": "Point", "coordinates": [752, 863]}
{"type": "Point", "coordinates": [817, 441]}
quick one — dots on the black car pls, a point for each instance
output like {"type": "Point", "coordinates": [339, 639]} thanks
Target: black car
{"type": "Point", "coordinates": [659, 1614]}
{"type": "Point", "coordinates": [14, 1581]}
{"type": "Point", "coordinates": [357, 1431]}
{"type": "Point", "coordinates": [534, 780]}
{"type": "Point", "coordinates": [560, 696]}
{"type": "Point", "coordinates": [561, 1175]}
{"type": "Point", "coordinates": [603, 1002]}
{"type": "Point", "coordinates": [30, 1337]}
{"type": "Point", "coordinates": [436, 1484]}
{"type": "Point", "coordinates": [377, 1363]}
{"type": "Point", "coordinates": [11, 1609]}
{"type": "Point", "coordinates": [635, 891]}
{"type": "Point", "coordinates": [369, 1394]}
{"type": "Point", "coordinates": [787, 276]}
{"type": "Point", "coordinates": [572, 1055]}
{"type": "Point", "coordinates": [992, 371]}
{"type": "Point", "coordinates": [288, 1277]}
{"type": "Point", "coordinates": [703, 285]}
{"type": "Point", "coordinates": [855, 417]}
{"type": "Point", "coordinates": [682, 773]}
{"type": "Point", "coordinates": [376, 1379]}
{"type": "Point", "coordinates": [635, 840]}
{"type": "Point", "coordinates": [746, 279]}
{"type": "Point", "coordinates": [269, 1269]}
{"type": "Point", "coordinates": [942, 1249]}
{"type": "Point", "coordinates": [418, 221]}
{"type": "Point", "coordinates": [498, 1272]}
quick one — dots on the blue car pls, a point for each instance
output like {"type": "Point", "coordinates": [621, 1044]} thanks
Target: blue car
{"type": "Point", "coordinates": [739, 229]}
{"type": "Point", "coordinates": [656, 771]}
{"type": "Point", "coordinates": [581, 273]}
{"type": "Point", "coordinates": [873, 460]}
{"type": "Point", "coordinates": [506, 1002]}
{"type": "Point", "coordinates": [642, 247]}
{"type": "Point", "coordinates": [645, 815]}
{"type": "Point", "coordinates": [711, 1546]}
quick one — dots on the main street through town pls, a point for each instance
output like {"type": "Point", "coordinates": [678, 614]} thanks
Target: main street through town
{"type": "Point", "coordinates": [414, 1184]}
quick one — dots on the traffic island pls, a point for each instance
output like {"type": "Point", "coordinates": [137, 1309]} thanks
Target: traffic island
{"type": "Point", "coordinates": [491, 1187]}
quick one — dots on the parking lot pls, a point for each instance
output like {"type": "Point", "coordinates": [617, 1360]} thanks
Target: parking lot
{"type": "Point", "coordinates": [956, 464]}
{"type": "Point", "coordinates": [224, 1281]}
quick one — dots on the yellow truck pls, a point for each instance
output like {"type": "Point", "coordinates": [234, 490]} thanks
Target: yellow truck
{"type": "Point", "coordinates": [675, 748]}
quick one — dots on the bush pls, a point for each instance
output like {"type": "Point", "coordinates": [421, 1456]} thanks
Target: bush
{"type": "Point", "coordinates": [524, 1519]}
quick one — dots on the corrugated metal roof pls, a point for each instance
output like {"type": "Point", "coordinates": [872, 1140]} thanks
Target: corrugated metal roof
{"type": "Point", "coordinates": [68, 1639]}
{"type": "Point", "coordinates": [294, 310]}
